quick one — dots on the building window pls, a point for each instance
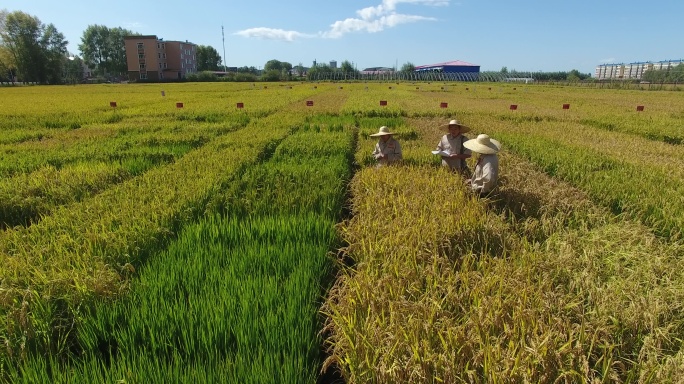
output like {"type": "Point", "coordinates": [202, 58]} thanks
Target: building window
{"type": "Point", "coordinates": [143, 76]}
{"type": "Point", "coordinates": [141, 46]}
{"type": "Point", "coordinates": [161, 75]}
{"type": "Point", "coordinates": [142, 66]}
{"type": "Point", "coordinates": [160, 65]}
{"type": "Point", "coordinates": [164, 55]}
{"type": "Point", "coordinates": [165, 66]}
{"type": "Point", "coordinates": [141, 56]}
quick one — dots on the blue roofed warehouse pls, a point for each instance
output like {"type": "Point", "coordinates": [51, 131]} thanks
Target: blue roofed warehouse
{"type": "Point", "coordinates": [454, 70]}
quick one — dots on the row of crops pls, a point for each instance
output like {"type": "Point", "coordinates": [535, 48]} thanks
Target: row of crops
{"type": "Point", "coordinates": [213, 262]}
{"type": "Point", "coordinates": [235, 297]}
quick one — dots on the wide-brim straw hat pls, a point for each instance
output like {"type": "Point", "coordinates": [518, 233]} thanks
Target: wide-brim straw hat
{"type": "Point", "coordinates": [483, 144]}
{"type": "Point", "coordinates": [464, 128]}
{"type": "Point", "coordinates": [383, 131]}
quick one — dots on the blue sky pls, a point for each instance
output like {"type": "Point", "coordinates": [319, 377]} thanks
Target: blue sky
{"type": "Point", "coordinates": [526, 35]}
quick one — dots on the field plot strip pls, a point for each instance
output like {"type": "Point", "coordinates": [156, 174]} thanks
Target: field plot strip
{"type": "Point", "coordinates": [235, 297]}
{"type": "Point", "coordinates": [636, 185]}
{"type": "Point", "coordinates": [526, 298]}
{"type": "Point", "coordinates": [82, 250]}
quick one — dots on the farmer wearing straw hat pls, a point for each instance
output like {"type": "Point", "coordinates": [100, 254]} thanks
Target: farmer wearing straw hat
{"type": "Point", "coordinates": [486, 172]}
{"type": "Point", "coordinates": [387, 149]}
{"type": "Point", "coordinates": [452, 144]}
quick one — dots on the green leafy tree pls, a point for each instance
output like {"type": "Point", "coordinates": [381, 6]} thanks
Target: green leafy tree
{"type": "Point", "coordinates": [408, 67]}
{"type": "Point", "coordinates": [54, 48]}
{"type": "Point", "coordinates": [35, 49]}
{"type": "Point", "coordinates": [208, 59]}
{"type": "Point", "coordinates": [319, 71]}
{"type": "Point", "coordinates": [283, 68]}
{"type": "Point", "coordinates": [73, 69]}
{"type": "Point", "coordinates": [104, 50]}
{"type": "Point", "coordinates": [253, 70]}
{"type": "Point", "coordinates": [667, 75]}
{"type": "Point", "coordinates": [8, 67]}
{"type": "Point", "coordinates": [273, 65]}
{"type": "Point", "coordinates": [271, 75]}
{"type": "Point", "coordinates": [299, 69]}
{"type": "Point", "coordinates": [286, 71]}
{"type": "Point", "coordinates": [573, 76]}
{"type": "Point", "coordinates": [347, 67]}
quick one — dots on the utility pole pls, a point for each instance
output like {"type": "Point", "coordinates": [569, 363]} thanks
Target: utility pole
{"type": "Point", "coordinates": [223, 38]}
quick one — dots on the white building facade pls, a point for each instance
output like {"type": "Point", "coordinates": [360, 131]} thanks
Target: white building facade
{"type": "Point", "coordinates": [632, 70]}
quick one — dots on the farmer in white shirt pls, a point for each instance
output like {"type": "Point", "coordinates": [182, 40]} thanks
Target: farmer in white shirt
{"type": "Point", "coordinates": [387, 149]}
{"type": "Point", "coordinates": [452, 143]}
{"type": "Point", "coordinates": [486, 173]}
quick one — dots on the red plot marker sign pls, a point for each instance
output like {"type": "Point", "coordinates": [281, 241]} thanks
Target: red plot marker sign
{"type": "Point", "coordinates": [443, 105]}
{"type": "Point", "coordinates": [513, 107]}
{"type": "Point", "coordinates": [640, 108]}
{"type": "Point", "coordinates": [383, 102]}
{"type": "Point", "coordinates": [309, 103]}
{"type": "Point", "coordinates": [240, 105]}
{"type": "Point", "coordinates": [112, 104]}
{"type": "Point", "coordinates": [179, 105]}
{"type": "Point", "coordinates": [566, 106]}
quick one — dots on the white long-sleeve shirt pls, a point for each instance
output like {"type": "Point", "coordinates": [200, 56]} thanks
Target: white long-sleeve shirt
{"type": "Point", "coordinates": [453, 145]}
{"type": "Point", "coordinates": [486, 174]}
{"type": "Point", "coordinates": [390, 149]}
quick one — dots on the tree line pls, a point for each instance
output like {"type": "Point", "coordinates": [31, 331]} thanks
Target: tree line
{"type": "Point", "coordinates": [34, 52]}
{"type": "Point", "coordinates": [674, 75]}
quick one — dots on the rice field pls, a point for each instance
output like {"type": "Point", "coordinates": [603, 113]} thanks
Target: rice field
{"type": "Point", "coordinates": [241, 233]}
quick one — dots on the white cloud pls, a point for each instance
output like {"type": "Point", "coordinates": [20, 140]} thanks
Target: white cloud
{"type": "Point", "coordinates": [390, 6]}
{"type": "Point", "coordinates": [272, 34]}
{"type": "Point", "coordinates": [370, 19]}
{"type": "Point", "coordinates": [134, 25]}
{"type": "Point", "coordinates": [340, 28]}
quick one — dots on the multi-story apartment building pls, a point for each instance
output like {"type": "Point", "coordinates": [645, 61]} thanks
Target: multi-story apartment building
{"type": "Point", "coordinates": [632, 70]}
{"type": "Point", "coordinates": [150, 58]}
